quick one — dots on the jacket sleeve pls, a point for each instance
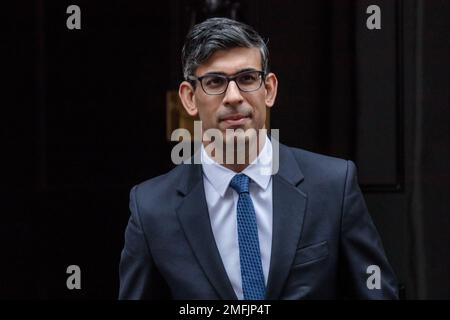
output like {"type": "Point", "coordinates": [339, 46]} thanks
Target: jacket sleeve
{"type": "Point", "coordinates": [139, 277]}
{"type": "Point", "coordinates": [364, 269]}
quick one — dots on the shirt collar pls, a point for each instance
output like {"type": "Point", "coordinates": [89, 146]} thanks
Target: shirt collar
{"type": "Point", "coordinates": [220, 176]}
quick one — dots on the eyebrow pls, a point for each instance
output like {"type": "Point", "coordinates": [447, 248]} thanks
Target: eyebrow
{"type": "Point", "coordinates": [224, 74]}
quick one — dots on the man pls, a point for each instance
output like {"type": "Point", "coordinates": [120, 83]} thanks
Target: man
{"type": "Point", "coordinates": [224, 229]}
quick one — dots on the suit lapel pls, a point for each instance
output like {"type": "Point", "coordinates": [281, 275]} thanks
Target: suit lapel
{"type": "Point", "coordinates": [194, 219]}
{"type": "Point", "coordinates": [289, 205]}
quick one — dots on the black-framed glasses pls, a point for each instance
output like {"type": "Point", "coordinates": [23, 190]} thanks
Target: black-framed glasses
{"type": "Point", "coordinates": [216, 84]}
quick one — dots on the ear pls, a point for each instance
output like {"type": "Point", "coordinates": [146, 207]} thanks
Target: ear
{"type": "Point", "coordinates": [271, 85]}
{"type": "Point", "coordinates": [186, 92]}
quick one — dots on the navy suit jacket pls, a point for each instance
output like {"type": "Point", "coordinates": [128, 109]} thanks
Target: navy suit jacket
{"type": "Point", "coordinates": [323, 236]}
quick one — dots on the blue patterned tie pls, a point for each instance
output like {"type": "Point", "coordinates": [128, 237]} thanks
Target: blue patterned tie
{"type": "Point", "coordinates": [250, 256]}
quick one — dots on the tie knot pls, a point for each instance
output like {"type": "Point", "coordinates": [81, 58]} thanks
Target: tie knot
{"type": "Point", "coordinates": [240, 183]}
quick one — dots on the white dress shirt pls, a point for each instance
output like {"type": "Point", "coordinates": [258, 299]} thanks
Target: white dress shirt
{"type": "Point", "coordinates": [222, 204]}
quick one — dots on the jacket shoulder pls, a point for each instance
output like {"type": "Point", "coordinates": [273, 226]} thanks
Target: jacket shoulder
{"type": "Point", "coordinates": [158, 189]}
{"type": "Point", "coordinates": [319, 167]}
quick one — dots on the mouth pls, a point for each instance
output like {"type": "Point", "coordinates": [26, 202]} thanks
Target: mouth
{"type": "Point", "coordinates": [236, 119]}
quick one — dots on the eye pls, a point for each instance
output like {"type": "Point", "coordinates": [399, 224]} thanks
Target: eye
{"type": "Point", "coordinates": [214, 81]}
{"type": "Point", "coordinates": [248, 78]}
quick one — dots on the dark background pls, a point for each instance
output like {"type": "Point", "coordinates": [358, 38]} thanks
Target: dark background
{"type": "Point", "coordinates": [83, 120]}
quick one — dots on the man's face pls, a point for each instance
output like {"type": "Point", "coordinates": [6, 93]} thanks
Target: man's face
{"type": "Point", "coordinates": [233, 109]}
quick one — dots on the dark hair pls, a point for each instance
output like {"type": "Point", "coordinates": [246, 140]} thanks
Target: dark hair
{"type": "Point", "coordinates": [217, 34]}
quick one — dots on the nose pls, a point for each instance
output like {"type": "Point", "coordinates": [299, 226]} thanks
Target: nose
{"type": "Point", "coordinates": [232, 95]}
